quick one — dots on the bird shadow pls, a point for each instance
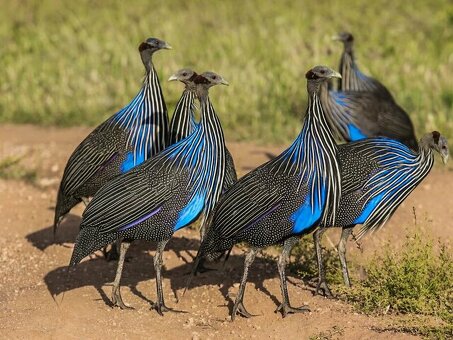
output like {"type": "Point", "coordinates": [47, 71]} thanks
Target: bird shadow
{"type": "Point", "coordinates": [98, 273]}
{"type": "Point", "coordinates": [66, 232]}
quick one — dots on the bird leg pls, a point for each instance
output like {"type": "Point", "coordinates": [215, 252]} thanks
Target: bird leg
{"type": "Point", "coordinates": [159, 306]}
{"type": "Point", "coordinates": [345, 232]}
{"type": "Point", "coordinates": [116, 294]}
{"type": "Point", "coordinates": [321, 287]}
{"type": "Point", "coordinates": [239, 304]}
{"type": "Point", "coordinates": [285, 306]}
{"type": "Point", "coordinates": [85, 200]}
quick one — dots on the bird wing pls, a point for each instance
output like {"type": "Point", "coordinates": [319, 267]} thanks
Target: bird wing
{"type": "Point", "coordinates": [249, 200]}
{"type": "Point", "coordinates": [95, 151]}
{"type": "Point", "coordinates": [376, 116]}
{"type": "Point", "coordinates": [350, 155]}
{"type": "Point", "coordinates": [134, 195]}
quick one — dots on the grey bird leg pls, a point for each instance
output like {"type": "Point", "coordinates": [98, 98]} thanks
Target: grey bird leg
{"type": "Point", "coordinates": [239, 303]}
{"type": "Point", "coordinates": [116, 294]}
{"type": "Point", "coordinates": [285, 306]}
{"type": "Point", "coordinates": [345, 232]}
{"type": "Point", "coordinates": [321, 287]}
{"type": "Point", "coordinates": [159, 306]}
{"type": "Point", "coordinates": [85, 200]}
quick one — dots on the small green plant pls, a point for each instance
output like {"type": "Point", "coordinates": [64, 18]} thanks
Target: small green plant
{"type": "Point", "coordinates": [416, 280]}
{"type": "Point", "coordinates": [10, 168]}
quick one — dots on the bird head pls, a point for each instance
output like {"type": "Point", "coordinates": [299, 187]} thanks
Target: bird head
{"type": "Point", "coordinates": [153, 44]}
{"type": "Point", "coordinates": [210, 79]}
{"type": "Point", "coordinates": [321, 73]}
{"type": "Point", "coordinates": [440, 144]}
{"type": "Point", "coordinates": [184, 75]}
{"type": "Point", "coordinates": [346, 38]}
{"type": "Point", "coordinates": [148, 47]}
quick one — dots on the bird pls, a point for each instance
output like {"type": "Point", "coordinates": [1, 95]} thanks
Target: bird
{"type": "Point", "coordinates": [160, 196]}
{"type": "Point", "coordinates": [281, 199]}
{"type": "Point", "coordinates": [129, 137]}
{"type": "Point", "coordinates": [183, 121]}
{"type": "Point", "coordinates": [354, 115]}
{"type": "Point", "coordinates": [352, 79]}
{"type": "Point", "coordinates": [377, 175]}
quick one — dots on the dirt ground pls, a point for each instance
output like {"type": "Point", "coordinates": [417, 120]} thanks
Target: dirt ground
{"type": "Point", "coordinates": [40, 300]}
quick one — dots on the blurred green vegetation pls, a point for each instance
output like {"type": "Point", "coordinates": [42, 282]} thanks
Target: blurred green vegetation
{"type": "Point", "coordinates": [11, 168]}
{"type": "Point", "coordinates": [76, 62]}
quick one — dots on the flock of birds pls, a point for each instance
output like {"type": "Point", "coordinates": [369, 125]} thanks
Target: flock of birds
{"type": "Point", "coordinates": [149, 178]}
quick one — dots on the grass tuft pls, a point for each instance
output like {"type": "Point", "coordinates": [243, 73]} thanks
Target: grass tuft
{"type": "Point", "coordinates": [416, 280]}
{"type": "Point", "coordinates": [10, 168]}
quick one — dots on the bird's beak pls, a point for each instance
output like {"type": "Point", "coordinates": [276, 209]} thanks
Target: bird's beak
{"type": "Point", "coordinates": [224, 82]}
{"type": "Point", "coordinates": [335, 74]}
{"type": "Point", "coordinates": [173, 77]}
{"type": "Point", "coordinates": [444, 158]}
{"type": "Point", "coordinates": [336, 38]}
{"type": "Point", "coordinates": [167, 46]}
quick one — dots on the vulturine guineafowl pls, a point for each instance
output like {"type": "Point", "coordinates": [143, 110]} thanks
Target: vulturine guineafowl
{"type": "Point", "coordinates": [160, 196]}
{"type": "Point", "coordinates": [377, 175]}
{"type": "Point", "coordinates": [351, 77]}
{"type": "Point", "coordinates": [128, 138]}
{"type": "Point", "coordinates": [183, 121]}
{"type": "Point", "coordinates": [282, 199]}
{"type": "Point", "coordinates": [355, 115]}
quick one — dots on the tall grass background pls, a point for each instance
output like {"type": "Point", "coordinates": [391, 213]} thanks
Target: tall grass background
{"type": "Point", "coordinates": [76, 62]}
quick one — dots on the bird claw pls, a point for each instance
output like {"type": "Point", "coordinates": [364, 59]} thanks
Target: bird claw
{"type": "Point", "coordinates": [111, 254]}
{"type": "Point", "coordinates": [286, 309]}
{"type": "Point", "coordinates": [161, 309]}
{"type": "Point", "coordinates": [239, 308]}
{"type": "Point", "coordinates": [323, 289]}
{"type": "Point", "coordinates": [117, 300]}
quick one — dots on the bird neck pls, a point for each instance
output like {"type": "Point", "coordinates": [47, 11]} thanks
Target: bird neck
{"type": "Point", "coordinates": [425, 146]}
{"type": "Point", "coordinates": [209, 121]}
{"type": "Point", "coordinates": [211, 169]}
{"type": "Point", "coordinates": [313, 156]}
{"type": "Point", "coordinates": [146, 120]}
{"type": "Point", "coordinates": [348, 70]}
{"type": "Point", "coordinates": [337, 117]}
{"type": "Point", "coordinates": [183, 119]}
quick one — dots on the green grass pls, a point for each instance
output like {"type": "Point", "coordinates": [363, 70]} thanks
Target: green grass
{"type": "Point", "coordinates": [10, 168]}
{"type": "Point", "coordinates": [76, 62]}
{"type": "Point", "coordinates": [416, 280]}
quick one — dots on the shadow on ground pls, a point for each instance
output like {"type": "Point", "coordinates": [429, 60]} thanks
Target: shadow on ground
{"type": "Point", "coordinates": [97, 272]}
{"type": "Point", "coordinates": [66, 232]}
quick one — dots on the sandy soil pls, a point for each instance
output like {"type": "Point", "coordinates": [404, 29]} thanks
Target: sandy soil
{"type": "Point", "coordinates": [40, 300]}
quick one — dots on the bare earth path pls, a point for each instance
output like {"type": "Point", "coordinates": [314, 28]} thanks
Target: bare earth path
{"type": "Point", "coordinates": [33, 269]}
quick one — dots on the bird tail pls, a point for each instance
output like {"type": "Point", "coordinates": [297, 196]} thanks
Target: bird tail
{"type": "Point", "coordinates": [64, 204]}
{"type": "Point", "coordinates": [87, 242]}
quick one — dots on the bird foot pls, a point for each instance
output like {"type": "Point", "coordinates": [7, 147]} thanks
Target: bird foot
{"type": "Point", "coordinates": [286, 309]}
{"type": "Point", "coordinates": [161, 309]}
{"type": "Point", "coordinates": [239, 308]}
{"type": "Point", "coordinates": [323, 289]}
{"type": "Point", "coordinates": [117, 300]}
{"type": "Point", "coordinates": [111, 254]}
